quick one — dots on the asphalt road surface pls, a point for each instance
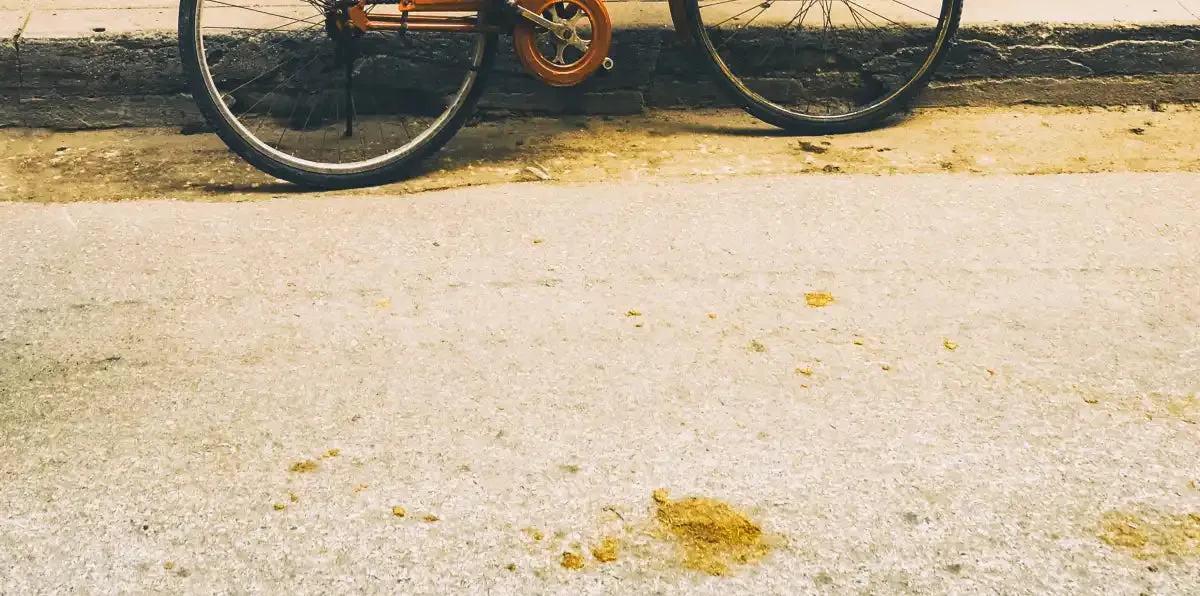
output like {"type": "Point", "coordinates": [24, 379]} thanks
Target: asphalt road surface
{"type": "Point", "coordinates": [999, 399]}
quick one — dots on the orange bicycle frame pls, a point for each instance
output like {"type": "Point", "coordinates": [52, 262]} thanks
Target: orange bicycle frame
{"type": "Point", "coordinates": [406, 20]}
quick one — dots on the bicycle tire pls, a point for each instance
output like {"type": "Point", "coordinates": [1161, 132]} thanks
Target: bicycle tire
{"type": "Point", "coordinates": [391, 170]}
{"type": "Point", "coordinates": [791, 121]}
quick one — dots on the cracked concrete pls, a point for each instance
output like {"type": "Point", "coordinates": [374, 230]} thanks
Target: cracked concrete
{"type": "Point", "coordinates": [11, 25]}
{"type": "Point", "coordinates": [978, 58]}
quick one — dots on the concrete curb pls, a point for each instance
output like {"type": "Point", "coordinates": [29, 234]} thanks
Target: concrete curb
{"type": "Point", "coordinates": [56, 77]}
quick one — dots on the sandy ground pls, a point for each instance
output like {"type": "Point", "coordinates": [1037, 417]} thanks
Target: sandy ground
{"type": "Point", "coordinates": [935, 384]}
{"type": "Point", "coordinates": [158, 164]}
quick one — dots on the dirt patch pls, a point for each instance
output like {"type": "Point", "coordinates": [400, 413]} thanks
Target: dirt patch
{"type": "Point", "coordinates": [812, 148]}
{"type": "Point", "coordinates": [693, 533]}
{"type": "Point", "coordinates": [304, 467]}
{"type": "Point", "coordinates": [1152, 535]}
{"type": "Point", "coordinates": [1153, 406]}
{"type": "Point", "coordinates": [155, 164]}
{"type": "Point", "coordinates": [1185, 408]}
{"type": "Point", "coordinates": [712, 535]}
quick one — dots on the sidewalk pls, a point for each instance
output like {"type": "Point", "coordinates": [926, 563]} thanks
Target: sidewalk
{"type": "Point", "coordinates": [98, 63]}
{"type": "Point", "coordinates": [68, 17]}
{"type": "Point", "coordinates": [58, 19]}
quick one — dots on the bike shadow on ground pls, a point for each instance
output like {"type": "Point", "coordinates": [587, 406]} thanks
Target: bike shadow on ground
{"type": "Point", "coordinates": [766, 130]}
{"type": "Point", "coordinates": [271, 188]}
{"type": "Point", "coordinates": [475, 145]}
{"type": "Point", "coordinates": [488, 145]}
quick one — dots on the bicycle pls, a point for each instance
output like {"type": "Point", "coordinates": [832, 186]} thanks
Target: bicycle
{"type": "Point", "coordinates": [336, 94]}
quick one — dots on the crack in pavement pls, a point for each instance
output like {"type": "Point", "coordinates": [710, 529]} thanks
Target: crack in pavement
{"type": "Point", "coordinates": [16, 41]}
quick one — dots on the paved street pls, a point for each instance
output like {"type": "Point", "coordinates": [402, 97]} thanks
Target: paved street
{"type": "Point", "coordinates": [233, 397]}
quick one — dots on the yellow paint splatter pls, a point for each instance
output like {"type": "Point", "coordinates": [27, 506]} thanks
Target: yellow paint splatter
{"type": "Point", "coordinates": [950, 345]}
{"type": "Point", "coordinates": [385, 303]}
{"type": "Point", "coordinates": [538, 240]}
{"type": "Point", "coordinates": [756, 346]}
{"type": "Point", "coordinates": [360, 488]}
{"type": "Point", "coordinates": [431, 518]}
{"type": "Point", "coordinates": [398, 511]}
{"type": "Point", "coordinates": [633, 313]}
{"type": "Point", "coordinates": [808, 372]}
{"type": "Point", "coordinates": [712, 315]}
{"type": "Point", "coordinates": [818, 299]}
{"type": "Point", "coordinates": [169, 565]}
{"type": "Point", "coordinates": [280, 507]}
{"type": "Point", "coordinates": [332, 453]}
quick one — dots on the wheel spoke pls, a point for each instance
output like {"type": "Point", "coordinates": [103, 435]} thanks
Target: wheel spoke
{"type": "Point", "coordinates": [817, 60]}
{"type": "Point", "coordinates": [349, 99]}
{"type": "Point", "coordinates": [255, 10]}
{"type": "Point", "coordinates": [298, 95]}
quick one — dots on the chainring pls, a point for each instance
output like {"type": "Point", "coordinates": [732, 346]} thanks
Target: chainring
{"type": "Point", "coordinates": [564, 60]}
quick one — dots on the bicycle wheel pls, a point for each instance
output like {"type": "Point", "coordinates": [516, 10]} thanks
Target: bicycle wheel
{"type": "Point", "coordinates": [298, 93]}
{"type": "Point", "coordinates": [823, 66]}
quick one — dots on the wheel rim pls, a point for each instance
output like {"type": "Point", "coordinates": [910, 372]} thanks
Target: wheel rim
{"type": "Point", "coordinates": [824, 60]}
{"type": "Point", "coordinates": [277, 76]}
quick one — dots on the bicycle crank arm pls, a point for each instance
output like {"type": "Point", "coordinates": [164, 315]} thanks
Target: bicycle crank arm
{"type": "Point", "coordinates": [561, 30]}
{"type": "Point", "coordinates": [558, 29]}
